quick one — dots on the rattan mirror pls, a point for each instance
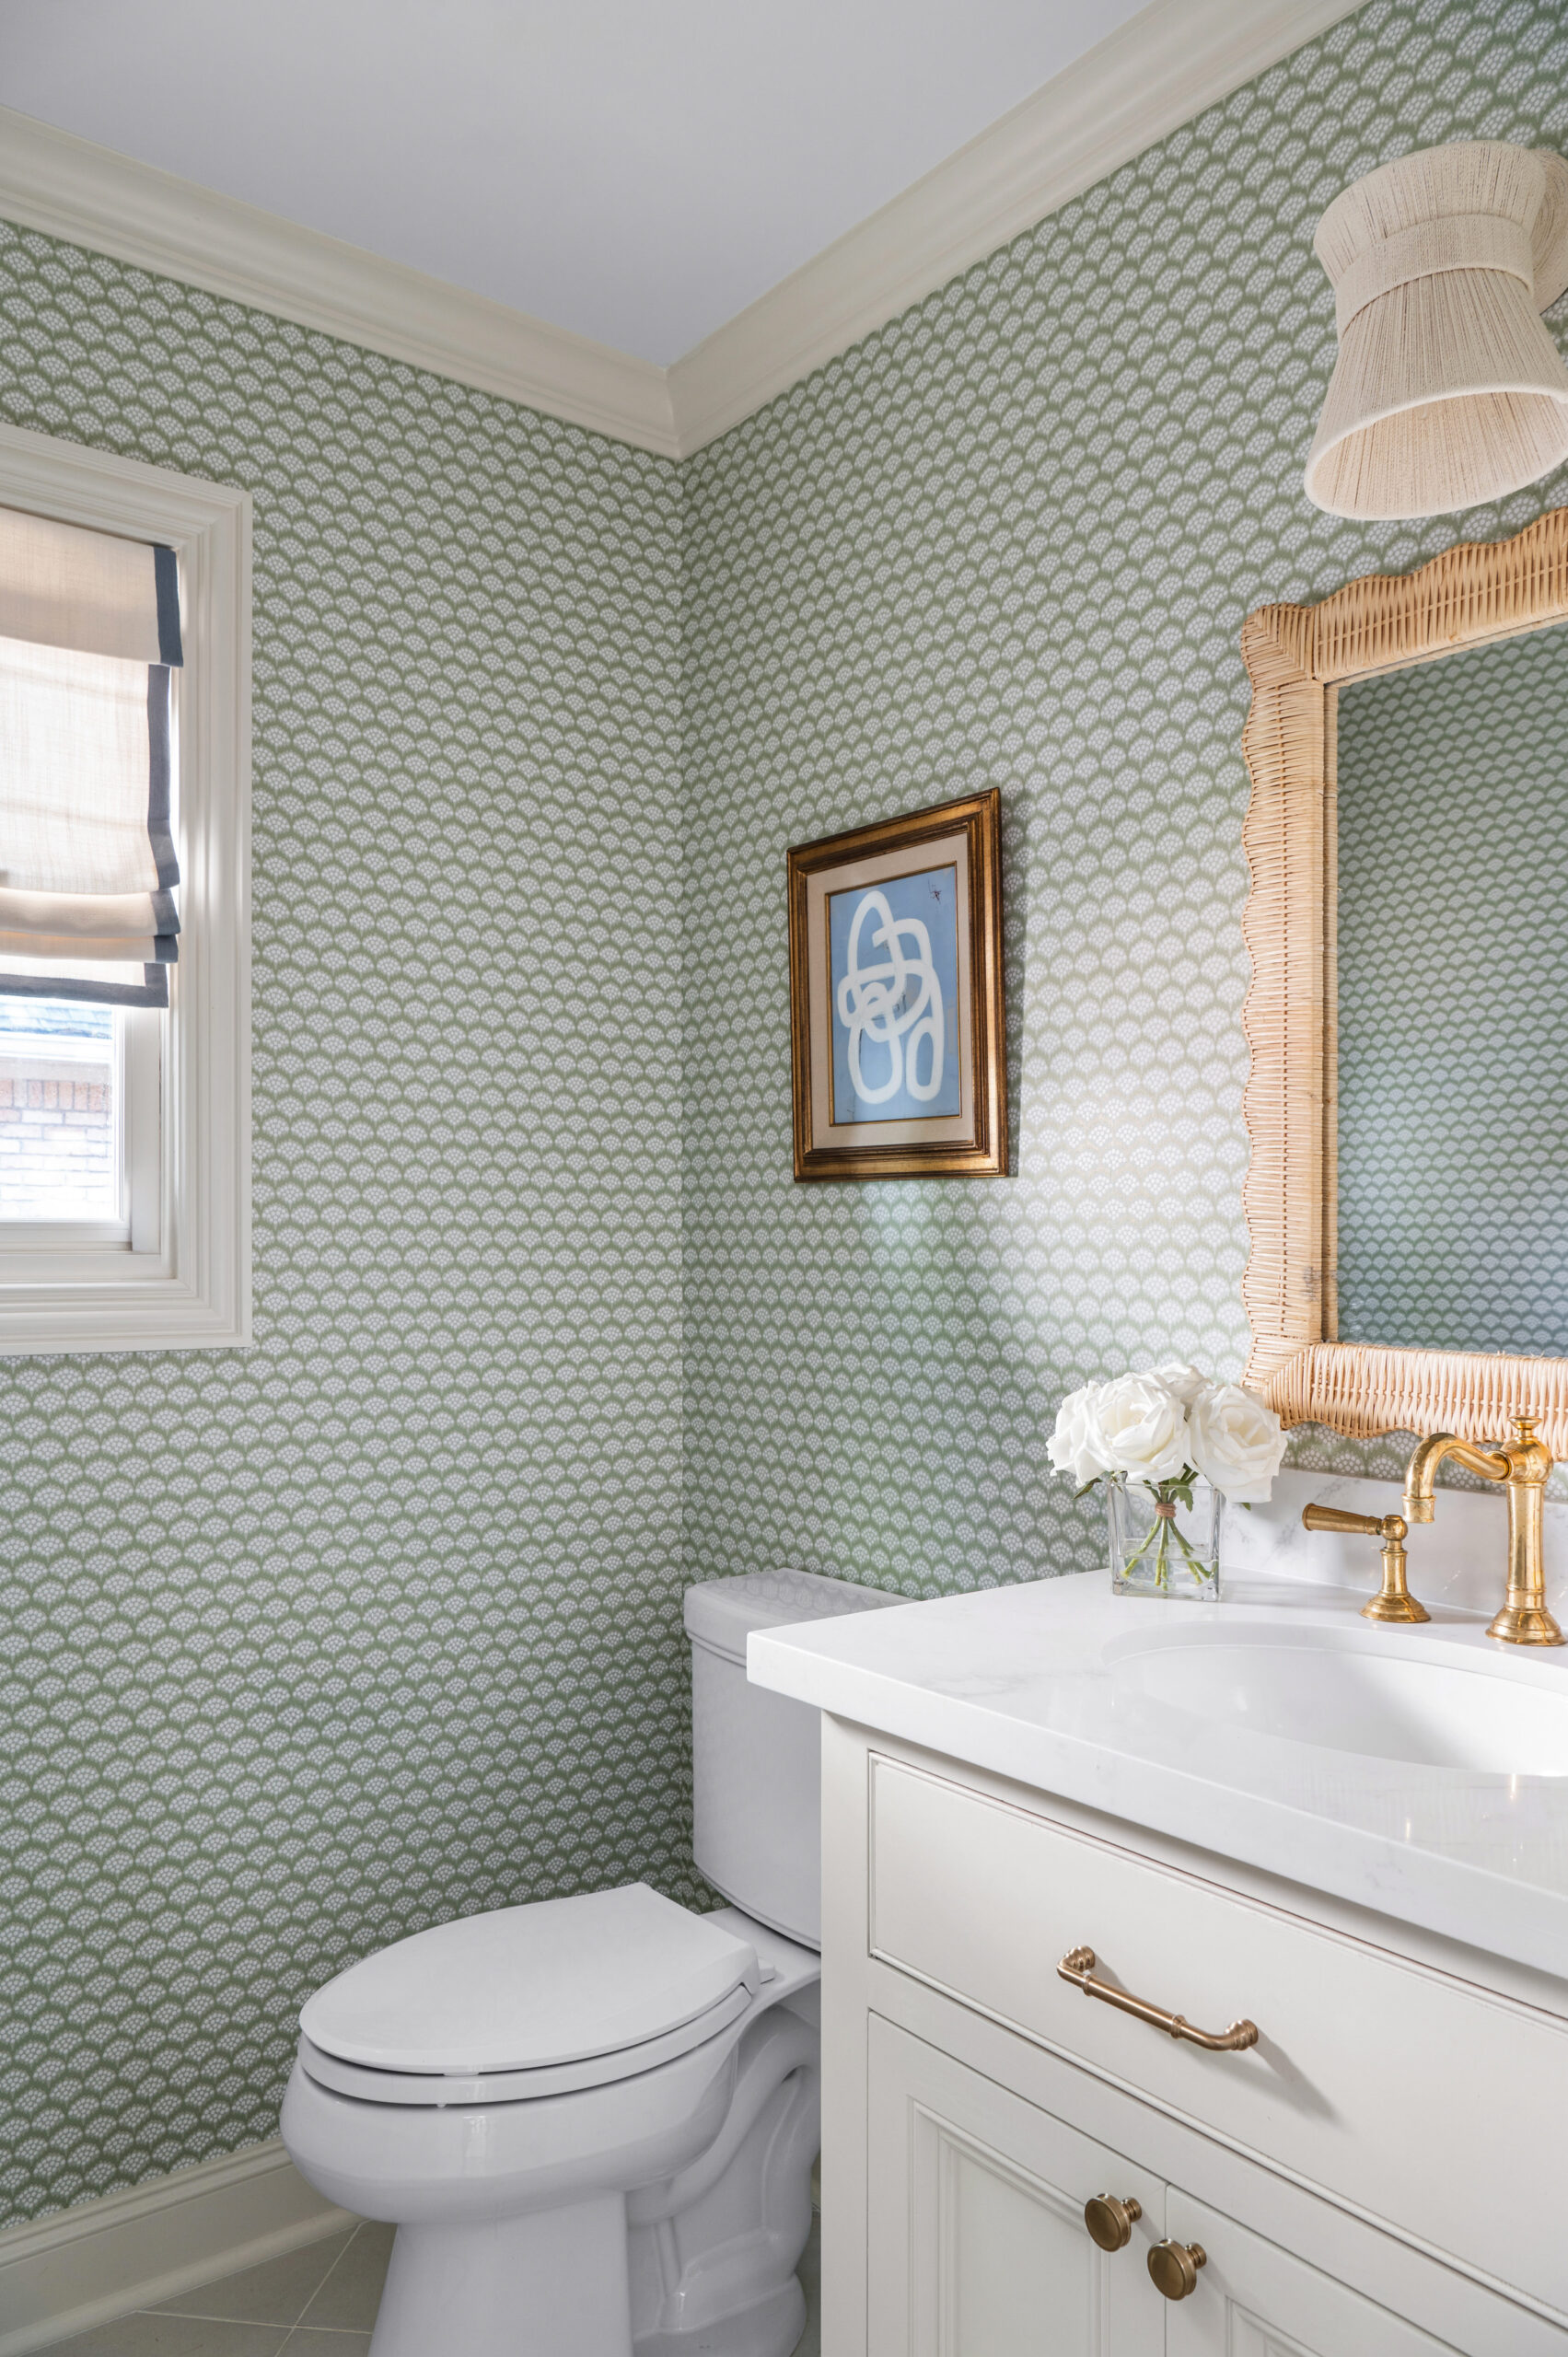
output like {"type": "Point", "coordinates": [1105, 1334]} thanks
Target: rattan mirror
{"type": "Point", "coordinates": [1300, 659]}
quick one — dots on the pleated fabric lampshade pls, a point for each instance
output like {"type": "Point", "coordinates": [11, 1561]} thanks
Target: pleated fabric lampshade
{"type": "Point", "coordinates": [1448, 389]}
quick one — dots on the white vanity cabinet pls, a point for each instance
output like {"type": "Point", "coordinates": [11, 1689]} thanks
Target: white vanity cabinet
{"type": "Point", "coordinates": [1385, 2174]}
{"type": "Point", "coordinates": [1260, 2301]}
{"type": "Point", "coordinates": [975, 2219]}
{"type": "Point", "coordinates": [977, 2247]}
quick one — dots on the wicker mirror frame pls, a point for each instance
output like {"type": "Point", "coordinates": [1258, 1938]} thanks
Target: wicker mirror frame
{"type": "Point", "coordinates": [1297, 659]}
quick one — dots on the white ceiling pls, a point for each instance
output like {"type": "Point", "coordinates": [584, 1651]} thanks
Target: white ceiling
{"type": "Point", "coordinates": [637, 170]}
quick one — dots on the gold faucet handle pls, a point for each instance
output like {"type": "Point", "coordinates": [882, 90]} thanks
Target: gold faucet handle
{"type": "Point", "coordinates": [1335, 1518]}
{"type": "Point", "coordinates": [1393, 1601]}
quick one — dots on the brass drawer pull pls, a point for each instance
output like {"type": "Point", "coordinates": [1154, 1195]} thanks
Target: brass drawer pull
{"type": "Point", "coordinates": [1077, 1966]}
{"type": "Point", "coordinates": [1173, 2267]}
{"type": "Point", "coordinates": [1110, 2222]}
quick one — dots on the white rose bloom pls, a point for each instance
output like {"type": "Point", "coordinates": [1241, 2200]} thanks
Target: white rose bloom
{"type": "Point", "coordinates": [1140, 1428]}
{"type": "Point", "coordinates": [1184, 1380]}
{"type": "Point", "coordinates": [1237, 1442]}
{"type": "Point", "coordinates": [1071, 1447]}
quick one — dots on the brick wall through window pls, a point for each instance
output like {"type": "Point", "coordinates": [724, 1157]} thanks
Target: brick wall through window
{"type": "Point", "coordinates": [57, 1119]}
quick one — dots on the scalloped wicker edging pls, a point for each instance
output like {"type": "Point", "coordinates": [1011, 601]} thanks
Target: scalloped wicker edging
{"type": "Point", "coordinates": [1297, 656]}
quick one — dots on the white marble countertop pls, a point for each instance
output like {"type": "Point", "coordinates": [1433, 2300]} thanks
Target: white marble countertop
{"type": "Point", "coordinates": [1031, 1682]}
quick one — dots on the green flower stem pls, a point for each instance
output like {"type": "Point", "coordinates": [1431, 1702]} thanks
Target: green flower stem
{"type": "Point", "coordinates": [1177, 1490]}
{"type": "Point", "coordinates": [1142, 1549]}
{"type": "Point", "coordinates": [1201, 1570]}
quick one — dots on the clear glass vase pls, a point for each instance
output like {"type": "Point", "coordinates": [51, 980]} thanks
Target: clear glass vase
{"type": "Point", "coordinates": [1164, 1550]}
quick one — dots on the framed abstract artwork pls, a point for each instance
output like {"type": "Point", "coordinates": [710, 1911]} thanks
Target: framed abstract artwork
{"type": "Point", "coordinates": [895, 968]}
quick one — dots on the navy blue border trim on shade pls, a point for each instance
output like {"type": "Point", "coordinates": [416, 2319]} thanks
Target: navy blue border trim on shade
{"type": "Point", "coordinates": [159, 835]}
{"type": "Point", "coordinates": [166, 580]}
{"type": "Point", "coordinates": [154, 991]}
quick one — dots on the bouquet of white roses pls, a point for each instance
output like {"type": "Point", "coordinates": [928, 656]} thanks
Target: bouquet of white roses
{"type": "Point", "coordinates": [1164, 1428]}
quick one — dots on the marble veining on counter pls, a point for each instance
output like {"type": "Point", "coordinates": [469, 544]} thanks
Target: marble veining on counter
{"type": "Point", "coordinates": [1029, 1682]}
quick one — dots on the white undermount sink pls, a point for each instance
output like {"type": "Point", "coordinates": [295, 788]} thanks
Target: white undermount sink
{"type": "Point", "coordinates": [1345, 1696]}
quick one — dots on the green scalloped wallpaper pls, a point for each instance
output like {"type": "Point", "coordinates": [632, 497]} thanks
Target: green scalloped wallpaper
{"type": "Point", "coordinates": [307, 1646]}
{"type": "Point", "coordinates": [378, 1622]}
{"type": "Point", "coordinates": [1010, 540]}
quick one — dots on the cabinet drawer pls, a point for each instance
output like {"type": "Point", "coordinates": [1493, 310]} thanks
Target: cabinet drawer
{"type": "Point", "coordinates": [1371, 2077]}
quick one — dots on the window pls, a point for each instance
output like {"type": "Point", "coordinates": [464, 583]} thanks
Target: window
{"type": "Point", "coordinates": [124, 1015]}
{"type": "Point", "coordinates": [80, 1098]}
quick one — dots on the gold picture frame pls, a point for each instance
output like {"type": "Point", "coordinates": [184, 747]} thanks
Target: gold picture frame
{"type": "Point", "coordinates": [898, 1031]}
{"type": "Point", "coordinates": [1297, 659]}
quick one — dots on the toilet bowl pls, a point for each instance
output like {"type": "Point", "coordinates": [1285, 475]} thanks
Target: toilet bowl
{"type": "Point", "coordinates": [593, 2119]}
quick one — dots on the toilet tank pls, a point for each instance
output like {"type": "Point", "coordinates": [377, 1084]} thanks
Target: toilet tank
{"type": "Point", "coordinates": [756, 1766]}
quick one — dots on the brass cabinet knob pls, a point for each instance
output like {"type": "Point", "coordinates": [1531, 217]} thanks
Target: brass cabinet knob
{"type": "Point", "coordinates": [1110, 2222]}
{"type": "Point", "coordinates": [1173, 2267]}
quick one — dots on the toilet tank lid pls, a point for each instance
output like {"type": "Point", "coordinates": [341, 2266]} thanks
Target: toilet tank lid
{"type": "Point", "coordinates": [721, 1614]}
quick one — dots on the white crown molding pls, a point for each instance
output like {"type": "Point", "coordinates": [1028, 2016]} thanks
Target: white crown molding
{"type": "Point", "coordinates": [83, 2267]}
{"type": "Point", "coordinates": [1155, 73]}
{"type": "Point", "coordinates": [1152, 75]}
{"type": "Point", "coordinates": [70, 188]}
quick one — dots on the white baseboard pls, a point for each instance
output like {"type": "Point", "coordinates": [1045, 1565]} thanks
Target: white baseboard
{"type": "Point", "coordinates": [83, 2267]}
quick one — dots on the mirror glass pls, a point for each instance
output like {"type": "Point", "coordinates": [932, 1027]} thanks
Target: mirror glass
{"type": "Point", "coordinates": [1453, 1001]}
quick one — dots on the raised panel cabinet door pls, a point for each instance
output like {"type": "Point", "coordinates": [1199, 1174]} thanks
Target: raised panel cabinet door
{"type": "Point", "coordinates": [1253, 2299]}
{"type": "Point", "coordinates": [977, 2244]}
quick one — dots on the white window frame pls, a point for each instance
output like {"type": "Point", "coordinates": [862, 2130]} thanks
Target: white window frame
{"type": "Point", "coordinates": [183, 1282]}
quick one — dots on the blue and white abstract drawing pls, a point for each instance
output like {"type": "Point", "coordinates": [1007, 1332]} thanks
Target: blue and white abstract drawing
{"type": "Point", "coordinates": [893, 969]}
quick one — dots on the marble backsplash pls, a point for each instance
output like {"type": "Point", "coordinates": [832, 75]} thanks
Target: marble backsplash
{"type": "Point", "coordinates": [1458, 1559]}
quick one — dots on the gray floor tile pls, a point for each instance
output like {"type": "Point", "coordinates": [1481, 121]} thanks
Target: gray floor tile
{"type": "Point", "coordinates": [351, 2293]}
{"type": "Point", "coordinates": [278, 2292]}
{"type": "Point", "coordinates": [167, 2336]}
{"type": "Point", "coordinates": [338, 2321]}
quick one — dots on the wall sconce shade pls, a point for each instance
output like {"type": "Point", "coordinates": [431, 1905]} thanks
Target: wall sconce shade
{"type": "Point", "coordinates": [1448, 389]}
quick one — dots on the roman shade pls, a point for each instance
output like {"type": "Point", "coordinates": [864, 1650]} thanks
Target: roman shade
{"type": "Point", "coordinates": [90, 632]}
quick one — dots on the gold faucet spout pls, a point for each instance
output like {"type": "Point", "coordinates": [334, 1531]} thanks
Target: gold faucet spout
{"type": "Point", "coordinates": [1522, 1464]}
{"type": "Point", "coordinates": [1421, 1471]}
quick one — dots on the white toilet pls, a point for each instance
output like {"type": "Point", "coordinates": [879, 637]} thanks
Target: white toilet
{"type": "Point", "coordinates": [593, 2119]}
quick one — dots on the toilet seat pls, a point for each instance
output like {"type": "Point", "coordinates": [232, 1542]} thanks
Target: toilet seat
{"type": "Point", "coordinates": [442, 2087]}
{"type": "Point", "coordinates": [528, 2001]}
